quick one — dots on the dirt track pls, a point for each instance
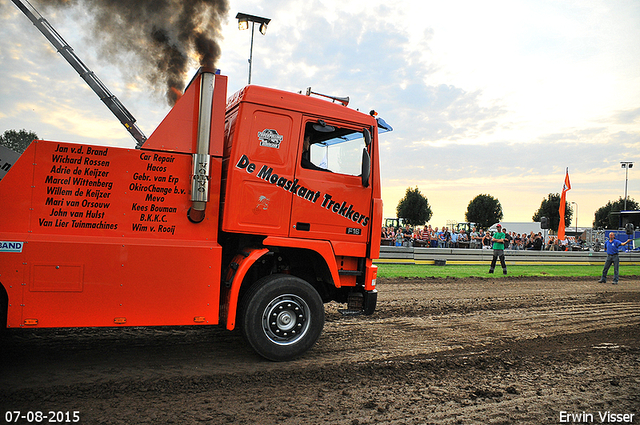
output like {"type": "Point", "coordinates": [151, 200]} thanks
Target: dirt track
{"type": "Point", "coordinates": [442, 351]}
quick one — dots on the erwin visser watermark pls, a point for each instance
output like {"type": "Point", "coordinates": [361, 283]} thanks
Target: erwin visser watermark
{"type": "Point", "coordinates": [598, 417]}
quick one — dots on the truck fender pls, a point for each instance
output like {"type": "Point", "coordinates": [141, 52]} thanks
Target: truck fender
{"type": "Point", "coordinates": [323, 248]}
{"type": "Point", "coordinates": [239, 267]}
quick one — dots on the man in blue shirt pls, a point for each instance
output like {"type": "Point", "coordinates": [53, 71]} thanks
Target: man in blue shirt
{"type": "Point", "coordinates": [611, 246]}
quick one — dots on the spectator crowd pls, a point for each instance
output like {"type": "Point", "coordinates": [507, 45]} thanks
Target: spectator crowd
{"type": "Point", "coordinates": [427, 236]}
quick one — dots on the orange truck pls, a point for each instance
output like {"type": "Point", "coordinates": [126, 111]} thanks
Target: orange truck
{"type": "Point", "coordinates": [250, 212]}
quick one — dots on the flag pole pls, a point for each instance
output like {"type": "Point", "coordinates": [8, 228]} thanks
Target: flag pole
{"type": "Point", "coordinates": [563, 202]}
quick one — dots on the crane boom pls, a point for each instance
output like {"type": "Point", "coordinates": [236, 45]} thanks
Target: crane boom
{"type": "Point", "coordinates": [112, 102]}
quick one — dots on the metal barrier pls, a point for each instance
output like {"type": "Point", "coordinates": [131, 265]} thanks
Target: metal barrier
{"type": "Point", "coordinates": [413, 255]}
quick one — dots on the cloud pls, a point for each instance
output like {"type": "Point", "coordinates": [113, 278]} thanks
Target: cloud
{"type": "Point", "coordinates": [629, 116]}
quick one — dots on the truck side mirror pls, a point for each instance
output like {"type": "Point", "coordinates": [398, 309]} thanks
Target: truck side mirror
{"type": "Point", "coordinates": [366, 167]}
{"type": "Point", "coordinates": [367, 137]}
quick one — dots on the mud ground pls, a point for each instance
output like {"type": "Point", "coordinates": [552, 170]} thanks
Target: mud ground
{"type": "Point", "coordinates": [437, 351]}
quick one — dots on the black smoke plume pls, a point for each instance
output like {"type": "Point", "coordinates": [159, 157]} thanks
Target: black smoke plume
{"type": "Point", "coordinates": [164, 36]}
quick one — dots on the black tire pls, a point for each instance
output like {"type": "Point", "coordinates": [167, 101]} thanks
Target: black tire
{"type": "Point", "coordinates": [281, 317]}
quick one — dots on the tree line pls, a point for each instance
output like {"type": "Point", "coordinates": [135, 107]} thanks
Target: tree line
{"type": "Point", "coordinates": [485, 210]}
{"type": "Point", "coordinates": [17, 140]}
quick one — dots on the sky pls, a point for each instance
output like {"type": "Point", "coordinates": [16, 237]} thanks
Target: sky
{"type": "Point", "coordinates": [496, 98]}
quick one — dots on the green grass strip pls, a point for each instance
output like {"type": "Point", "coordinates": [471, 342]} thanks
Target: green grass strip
{"type": "Point", "coordinates": [459, 271]}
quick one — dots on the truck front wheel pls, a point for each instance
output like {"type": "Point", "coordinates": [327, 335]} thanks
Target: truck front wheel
{"type": "Point", "coordinates": [281, 316]}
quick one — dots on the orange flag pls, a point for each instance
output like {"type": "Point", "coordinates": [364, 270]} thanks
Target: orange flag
{"type": "Point", "coordinates": [563, 202]}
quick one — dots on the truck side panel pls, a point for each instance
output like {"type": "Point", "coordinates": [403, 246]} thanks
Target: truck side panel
{"type": "Point", "coordinates": [103, 283]}
{"type": "Point", "coordinates": [104, 239]}
{"type": "Point", "coordinates": [107, 191]}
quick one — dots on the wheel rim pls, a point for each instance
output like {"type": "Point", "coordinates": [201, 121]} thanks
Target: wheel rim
{"type": "Point", "coordinates": [286, 319]}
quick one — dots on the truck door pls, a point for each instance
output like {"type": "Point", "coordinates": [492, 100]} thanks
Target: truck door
{"type": "Point", "coordinates": [333, 201]}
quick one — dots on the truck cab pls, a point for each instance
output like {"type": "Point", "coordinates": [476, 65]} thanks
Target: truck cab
{"type": "Point", "coordinates": [250, 212]}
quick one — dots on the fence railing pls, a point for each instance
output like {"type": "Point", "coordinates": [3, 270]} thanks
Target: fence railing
{"type": "Point", "coordinates": [440, 256]}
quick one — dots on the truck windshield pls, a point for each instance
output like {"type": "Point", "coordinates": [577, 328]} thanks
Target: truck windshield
{"type": "Point", "coordinates": [334, 149]}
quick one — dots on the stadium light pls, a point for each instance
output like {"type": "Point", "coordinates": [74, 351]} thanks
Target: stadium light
{"type": "Point", "coordinates": [243, 24]}
{"type": "Point", "coordinates": [626, 165]}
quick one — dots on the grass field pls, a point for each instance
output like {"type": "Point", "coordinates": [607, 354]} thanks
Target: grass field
{"type": "Point", "coordinates": [417, 270]}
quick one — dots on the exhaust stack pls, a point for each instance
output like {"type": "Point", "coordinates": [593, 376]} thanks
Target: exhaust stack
{"type": "Point", "coordinates": [201, 172]}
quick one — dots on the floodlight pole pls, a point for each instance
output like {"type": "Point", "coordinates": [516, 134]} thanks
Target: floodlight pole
{"type": "Point", "coordinates": [576, 204]}
{"type": "Point", "coordinates": [626, 165]}
{"type": "Point", "coordinates": [253, 25]}
{"type": "Point", "coordinates": [243, 21]}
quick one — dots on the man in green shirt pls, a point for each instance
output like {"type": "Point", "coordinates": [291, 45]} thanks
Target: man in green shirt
{"type": "Point", "coordinates": [498, 249]}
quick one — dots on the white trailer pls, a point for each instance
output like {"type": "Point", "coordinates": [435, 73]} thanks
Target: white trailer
{"type": "Point", "coordinates": [520, 227]}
